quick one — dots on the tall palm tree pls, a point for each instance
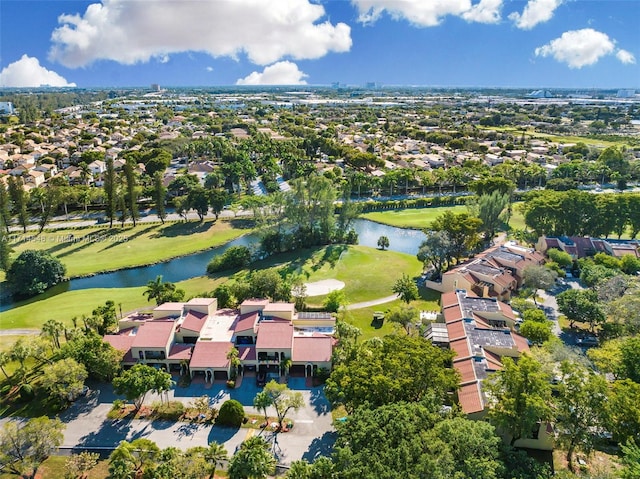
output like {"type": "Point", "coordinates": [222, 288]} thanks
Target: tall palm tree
{"type": "Point", "coordinates": [5, 358]}
{"type": "Point", "coordinates": [215, 456]}
{"type": "Point", "coordinates": [261, 402]}
{"type": "Point", "coordinates": [154, 290]}
{"type": "Point", "coordinates": [52, 330]}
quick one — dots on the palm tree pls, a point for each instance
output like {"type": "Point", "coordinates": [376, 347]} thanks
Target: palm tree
{"type": "Point", "coordinates": [253, 460]}
{"type": "Point", "coordinates": [261, 402]}
{"type": "Point", "coordinates": [155, 289]}
{"type": "Point", "coordinates": [215, 456]}
{"type": "Point", "coordinates": [234, 361]}
{"type": "Point", "coordinates": [52, 329]}
{"type": "Point", "coordinates": [5, 358]}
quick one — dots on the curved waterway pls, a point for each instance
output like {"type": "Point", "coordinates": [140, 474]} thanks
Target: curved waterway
{"type": "Point", "coordinates": [193, 265]}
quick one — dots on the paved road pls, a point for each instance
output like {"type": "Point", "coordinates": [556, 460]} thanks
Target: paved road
{"type": "Point", "coordinates": [551, 308]}
{"type": "Point", "coordinates": [18, 332]}
{"type": "Point", "coordinates": [373, 302]}
{"type": "Point", "coordinates": [313, 434]}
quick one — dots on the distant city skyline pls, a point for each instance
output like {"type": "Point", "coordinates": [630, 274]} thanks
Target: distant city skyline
{"type": "Point", "coordinates": [571, 44]}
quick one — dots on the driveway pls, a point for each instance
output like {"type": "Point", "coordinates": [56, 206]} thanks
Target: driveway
{"type": "Point", "coordinates": [312, 435]}
{"type": "Point", "coordinates": [550, 306]}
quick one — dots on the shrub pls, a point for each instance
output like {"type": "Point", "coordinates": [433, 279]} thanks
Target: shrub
{"type": "Point", "coordinates": [231, 414]}
{"type": "Point", "coordinates": [235, 257]}
{"type": "Point", "coordinates": [33, 272]}
{"type": "Point", "coordinates": [170, 411]}
{"type": "Point", "coordinates": [231, 384]}
{"type": "Point", "coordinates": [26, 392]}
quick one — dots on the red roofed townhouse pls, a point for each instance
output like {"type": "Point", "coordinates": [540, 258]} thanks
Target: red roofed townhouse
{"type": "Point", "coordinates": [494, 273]}
{"type": "Point", "coordinates": [480, 332]}
{"type": "Point", "coordinates": [198, 336]}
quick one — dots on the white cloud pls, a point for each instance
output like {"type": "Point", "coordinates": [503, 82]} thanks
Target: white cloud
{"type": "Point", "coordinates": [129, 32]}
{"type": "Point", "coordinates": [27, 72]}
{"type": "Point", "coordinates": [578, 48]}
{"type": "Point", "coordinates": [625, 57]}
{"type": "Point", "coordinates": [209, 69]}
{"type": "Point", "coordinates": [429, 13]}
{"type": "Point", "coordinates": [536, 11]}
{"type": "Point", "coordinates": [281, 73]}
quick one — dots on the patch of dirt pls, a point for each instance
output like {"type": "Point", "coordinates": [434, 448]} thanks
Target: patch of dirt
{"type": "Point", "coordinates": [319, 288]}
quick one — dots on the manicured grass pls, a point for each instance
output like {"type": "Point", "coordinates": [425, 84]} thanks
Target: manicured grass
{"type": "Point", "coordinates": [530, 133]}
{"type": "Point", "coordinates": [420, 218]}
{"type": "Point", "coordinates": [363, 318]}
{"type": "Point", "coordinates": [417, 218]}
{"type": "Point", "coordinates": [368, 273]}
{"type": "Point", "coordinates": [53, 468]}
{"type": "Point", "coordinates": [64, 306]}
{"type": "Point", "coordinates": [91, 250]}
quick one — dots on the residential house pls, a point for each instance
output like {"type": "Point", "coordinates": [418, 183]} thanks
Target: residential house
{"type": "Point", "coordinates": [199, 336]}
{"type": "Point", "coordinates": [583, 246]}
{"type": "Point", "coordinates": [480, 332]}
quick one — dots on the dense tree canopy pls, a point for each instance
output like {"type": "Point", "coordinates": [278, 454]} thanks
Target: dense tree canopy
{"type": "Point", "coordinates": [33, 272]}
{"type": "Point", "coordinates": [401, 368]}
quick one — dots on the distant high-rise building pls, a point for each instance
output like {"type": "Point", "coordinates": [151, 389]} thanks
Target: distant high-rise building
{"type": "Point", "coordinates": [155, 87]}
{"type": "Point", "coordinates": [6, 108]}
{"type": "Point", "coordinates": [626, 93]}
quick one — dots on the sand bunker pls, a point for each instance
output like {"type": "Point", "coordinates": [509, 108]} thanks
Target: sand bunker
{"type": "Point", "coordinates": [325, 286]}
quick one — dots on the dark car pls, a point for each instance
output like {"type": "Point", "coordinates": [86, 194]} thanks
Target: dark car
{"type": "Point", "coordinates": [587, 341]}
{"type": "Point", "coordinates": [261, 379]}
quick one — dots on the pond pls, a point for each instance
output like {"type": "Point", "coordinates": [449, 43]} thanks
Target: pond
{"type": "Point", "coordinates": [193, 265]}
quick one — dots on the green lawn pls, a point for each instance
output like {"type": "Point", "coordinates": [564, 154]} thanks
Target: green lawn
{"type": "Point", "coordinates": [420, 218]}
{"type": "Point", "coordinates": [64, 306]}
{"type": "Point", "coordinates": [363, 318]}
{"type": "Point", "coordinates": [108, 249]}
{"type": "Point", "coordinates": [531, 133]}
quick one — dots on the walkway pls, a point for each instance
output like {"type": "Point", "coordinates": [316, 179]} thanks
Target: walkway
{"type": "Point", "coordinates": [373, 302]}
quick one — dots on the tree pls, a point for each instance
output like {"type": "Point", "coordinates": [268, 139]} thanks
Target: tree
{"type": "Point", "coordinates": [462, 230]}
{"type": "Point", "coordinates": [581, 399]}
{"type": "Point", "coordinates": [630, 460]}
{"type": "Point", "coordinates": [199, 201]}
{"type": "Point", "coordinates": [5, 247]}
{"type": "Point", "coordinates": [131, 459]}
{"type": "Point", "coordinates": [20, 200]}
{"type": "Point", "coordinates": [159, 195]}
{"type": "Point", "coordinates": [630, 359]}
{"type": "Point", "coordinates": [231, 413]}
{"type": "Point", "coordinates": [215, 455]}
{"type": "Point", "coordinates": [217, 200]}
{"type": "Point", "coordinates": [5, 211]}
{"type": "Point", "coordinates": [33, 272]}
{"type": "Point", "coordinates": [580, 305]}
{"type": "Point", "coordinates": [52, 329]}
{"type": "Point", "coordinates": [411, 440]}
{"type": "Point", "coordinates": [252, 461]}
{"type": "Point", "coordinates": [538, 277]}
{"type": "Point", "coordinates": [536, 332]}
{"type": "Point", "coordinates": [406, 317]}
{"type": "Point", "coordinates": [77, 465]}
{"type": "Point", "coordinates": [378, 374]}
{"type": "Point", "coordinates": [489, 208]}
{"type": "Point", "coordinates": [101, 360]}
{"type": "Point", "coordinates": [383, 242]}
{"type": "Point", "coordinates": [132, 188]}
{"type": "Point", "coordinates": [521, 397]}
{"type": "Point", "coordinates": [23, 447]}
{"type": "Point", "coordinates": [436, 250]}
{"type": "Point", "coordinates": [5, 358]}
{"type": "Point", "coordinates": [335, 300]}
{"type": "Point", "coordinates": [162, 292]}
{"type": "Point", "coordinates": [622, 410]}
{"type": "Point", "coordinates": [560, 257]}
{"type": "Point", "coordinates": [21, 350]}
{"type": "Point", "coordinates": [406, 289]}
{"type": "Point", "coordinates": [283, 399]}
{"type": "Point", "coordinates": [64, 379]}
{"type": "Point", "coordinates": [261, 402]}
{"type": "Point", "coordinates": [136, 382]}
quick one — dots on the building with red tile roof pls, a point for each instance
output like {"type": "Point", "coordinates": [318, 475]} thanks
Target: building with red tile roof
{"type": "Point", "coordinates": [583, 246]}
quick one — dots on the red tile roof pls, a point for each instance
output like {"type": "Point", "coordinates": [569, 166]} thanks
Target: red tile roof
{"type": "Point", "coordinates": [449, 299]}
{"type": "Point", "coordinates": [247, 353]}
{"type": "Point", "coordinates": [153, 334]}
{"type": "Point", "coordinates": [521, 342]}
{"type": "Point", "coordinates": [456, 331]}
{"type": "Point", "coordinates": [246, 322]}
{"type": "Point", "coordinates": [121, 341]}
{"type": "Point", "coordinates": [452, 314]}
{"type": "Point", "coordinates": [470, 398]}
{"type": "Point", "coordinates": [274, 335]}
{"type": "Point", "coordinates": [493, 361]}
{"type": "Point", "coordinates": [194, 321]}
{"type": "Point", "coordinates": [461, 348]}
{"type": "Point", "coordinates": [466, 370]}
{"type": "Point", "coordinates": [180, 351]}
{"type": "Point", "coordinates": [210, 354]}
{"type": "Point", "coordinates": [312, 349]}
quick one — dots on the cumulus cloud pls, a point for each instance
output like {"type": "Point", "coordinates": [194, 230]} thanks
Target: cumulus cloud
{"type": "Point", "coordinates": [129, 32]}
{"type": "Point", "coordinates": [281, 73]}
{"type": "Point", "coordinates": [625, 57]}
{"type": "Point", "coordinates": [27, 72]}
{"type": "Point", "coordinates": [579, 48]}
{"type": "Point", "coordinates": [429, 13]}
{"type": "Point", "coordinates": [536, 11]}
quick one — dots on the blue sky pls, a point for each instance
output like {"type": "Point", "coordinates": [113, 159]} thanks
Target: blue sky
{"type": "Point", "coordinates": [503, 43]}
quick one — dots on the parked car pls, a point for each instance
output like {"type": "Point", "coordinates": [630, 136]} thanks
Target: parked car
{"type": "Point", "coordinates": [587, 341]}
{"type": "Point", "coordinates": [261, 379]}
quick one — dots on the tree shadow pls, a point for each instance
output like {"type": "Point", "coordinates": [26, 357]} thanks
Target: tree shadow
{"type": "Point", "coordinates": [221, 434]}
{"type": "Point", "coordinates": [319, 401]}
{"type": "Point", "coordinates": [321, 446]}
{"type": "Point", "coordinates": [184, 229]}
{"type": "Point", "coordinates": [109, 434]}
